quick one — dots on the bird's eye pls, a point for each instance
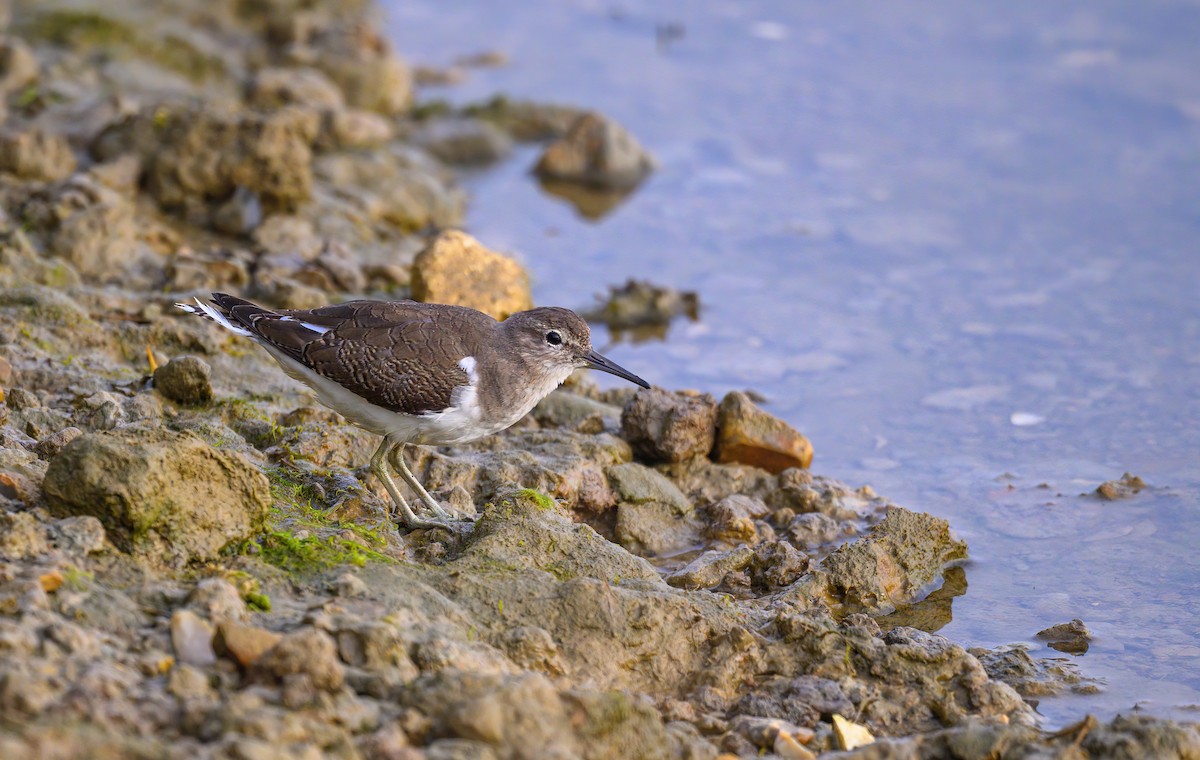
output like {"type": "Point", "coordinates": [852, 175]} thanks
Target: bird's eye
{"type": "Point", "coordinates": [553, 338]}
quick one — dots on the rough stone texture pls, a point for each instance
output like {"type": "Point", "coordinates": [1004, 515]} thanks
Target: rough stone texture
{"type": "Point", "coordinates": [893, 563]}
{"type": "Point", "coordinates": [22, 536]}
{"type": "Point", "coordinates": [185, 380]}
{"type": "Point", "coordinates": [35, 154]}
{"type": "Point", "coordinates": [562, 464]}
{"type": "Point", "coordinates": [732, 519]}
{"type": "Point", "coordinates": [456, 269]}
{"type": "Point", "coordinates": [669, 427]}
{"type": "Point", "coordinates": [196, 154]}
{"type": "Point", "coordinates": [711, 567]}
{"type": "Point", "coordinates": [596, 151]}
{"type": "Point", "coordinates": [49, 446]}
{"type": "Point", "coordinates": [748, 435]}
{"type": "Point", "coordinates": [523, 532]}
{"type": "Point", "coordinates": [1034, 677]}
{"type": "Point", "coordinates": [168, 496]}
{"type": "Point", "coordinates": [653, 516]}
{"type": "Point", "coordinates": [1072, 638]}
{"type": "Point", "coordinates": [565, 409]}
{"type": "Point", "coordinates": [274, 87]}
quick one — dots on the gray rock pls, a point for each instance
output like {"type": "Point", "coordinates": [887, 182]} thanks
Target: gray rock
{"type": "Point", "coordinates": [185, 380]}
{"type": "Point", "coordinates": [710, 568]}
{"type": "Point", "coordinates": [352, 128]}
{"type": "Point", "coordinates": [22, 536]}
{"type": "Point", "coordinates": [100, 411]}
{"type": "Point", "coordinates": [669, 427]}
{"type": "Point", "coordinates": [653, 516]}
{"type": "Point", "coordinates": [463, 141]}
{"type": "Point", "coordinates": [597, 152]}
{"type": "Point", "coordinates": [1034, 677]}
{"type": "Point", "coordinates": [893, 564]}
{"type": "Point", "coordinates": [219, 601]}
{"type": "Point", "coordinates": [20, 399]}
{"type": "Point", "coordinates": [192, 639]}
{"type": "Point", "coordinates": [570, 410]}
{"type": "Point", "coordinates": [78, 536]}
{"type": "Point", "coordinates": [369, 74]}
{"type": "Point", "coordinates": [274, 87]}
{"type": "Point", "coordinates": [36, 155]}
{"type": "Point", "coordinates": [195, 153]}
{"type": "Point", "coordinates": [524, 531]}
{"type": "Point", "coordinates": [308, 652]}
{"type": "Point", "coordinates": [240, 214]}
{"type": "Point", "coordinates": [165, 495]}
{"type": "Point", "coordinates": [777, 564]}
{"type": "Point", "coordinates": [1072, 638]}
{"type": "Point", "coordinates": [640, 305]}
{"type": "Point", "coordinates": [809, 531]}
{"type": "Point", "coordinates": [49, 446]}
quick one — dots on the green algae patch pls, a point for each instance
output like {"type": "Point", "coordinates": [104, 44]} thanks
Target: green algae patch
{"type": "Point", "coordinates": [87, 30]}
{"type": "Point", "coordinates": [314, 554]}
{"type": "Point", "coordinates": [304, 538]}
{"type": "Point", "coordinates": [541, 500]}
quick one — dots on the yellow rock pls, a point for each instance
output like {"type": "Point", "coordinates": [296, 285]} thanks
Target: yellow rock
{"type": "Point", "coordinates": [850, 735]}
{"type": "Point", "coordinates": [748, 435]}
{"type": "Point", "coordinates": [455, 268]}
{"type": "Point", "coordinates": [51, 581]}
{"type": "Point", "coordinates": [788, 747]}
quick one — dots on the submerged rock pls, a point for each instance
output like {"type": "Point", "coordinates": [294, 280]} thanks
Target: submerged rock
{"type": "Point", "coordinates": [456, 269]}
{"type": "Point", "coordinates": [1072, 638]}
{"type": "Point", "coordinates": [597, 152]}
{"type": "Point", "coordinates": [748, 435]}
{"type": "Point", "coordinates": [166, 496]}
{"type": "Point", "coordinates": [463, 142]}
{"type": "Point", "coordinates": [640, 304]}
{"type": "Point", "coordinates": [893, 563]}
{"type": "Point", "coordinates": [1128, 485]}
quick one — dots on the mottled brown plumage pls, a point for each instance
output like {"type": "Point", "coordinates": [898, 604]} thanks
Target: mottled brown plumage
{"type": "Point", "coordinates": [391, 353]}
{"type": "Point", "coordinates": [416, 372]}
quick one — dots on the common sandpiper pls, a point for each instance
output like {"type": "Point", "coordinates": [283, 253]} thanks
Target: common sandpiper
{"type": "Point", "coordinates": [420, 373]}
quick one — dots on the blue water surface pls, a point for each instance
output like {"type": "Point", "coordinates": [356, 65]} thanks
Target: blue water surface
{"type": "Point", "coordinates": [957, 244]}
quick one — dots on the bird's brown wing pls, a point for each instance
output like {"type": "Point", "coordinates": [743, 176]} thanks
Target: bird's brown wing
{"type": "Point", "coordinates": [392, 354]}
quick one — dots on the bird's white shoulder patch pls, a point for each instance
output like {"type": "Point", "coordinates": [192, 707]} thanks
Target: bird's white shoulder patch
{"type": "Point", "coordinates": [319, 329]}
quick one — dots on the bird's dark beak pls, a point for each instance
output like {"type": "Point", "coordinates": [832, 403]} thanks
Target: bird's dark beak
{"type": "Point", "coordinates": [596, 361]}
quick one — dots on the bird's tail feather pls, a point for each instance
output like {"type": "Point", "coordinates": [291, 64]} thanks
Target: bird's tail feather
{"type": "Point", "coordinates": [207, 311]}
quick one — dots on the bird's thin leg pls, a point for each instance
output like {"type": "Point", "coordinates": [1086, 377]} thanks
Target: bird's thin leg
{"type": "Point", "coordinates": [379, 467]}
{"type": "Point", "coordinates": [402, 468]}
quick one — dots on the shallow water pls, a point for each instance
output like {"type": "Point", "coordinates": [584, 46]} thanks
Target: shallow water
{"type": "Point", "coordinates": [956, 245]}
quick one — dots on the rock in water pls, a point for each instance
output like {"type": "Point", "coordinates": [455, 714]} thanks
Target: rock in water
{"type": "Point", "coordinates": [185, 380]}
{"type": "Point", "coordinates": [455, 268]}
{"type": "Point", "coordinates": [748, 435]}
{"type": "Point", "coordinates": [167, 496]}
{"type": "Point", "coordinates": [597, 152]}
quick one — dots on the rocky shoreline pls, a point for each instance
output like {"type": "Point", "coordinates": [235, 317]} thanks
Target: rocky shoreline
{"type": "Point", "coordinates": [194, 561]}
